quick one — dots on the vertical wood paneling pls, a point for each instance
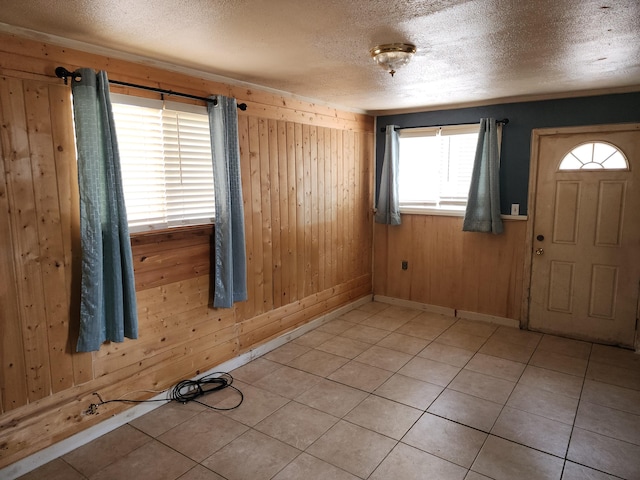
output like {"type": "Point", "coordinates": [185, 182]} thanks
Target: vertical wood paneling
{"type": "Point", "coordinates": [344, 205]}
{"type": "Point", "coordinates": [247, 309]}
{"type": "Point", "coordinates": [340, 207]}
{"type": "Point", "coordinates": [292, 200]}
{"type": "Point", "coordinates": [306, 199]}
{"type": "Point", "coordinates": [493, 269]}
{"type": "Point", "coordinates": [350, 223]}
{"type": "Point", "coordinates": [13, 388]}
{"type": "Point", "coordinates": [365, 231]}
{"type": "Point", "coordinates": [335, 225]}
{"type": "Point", "coordinates": [328, 199]}
{"type": "Point", "coordinates": [314, 198]}
{"type": "Point", "coordinates": [52, 257]}
{"type": "Point", "coordinates": [285, 253]}
{"type": "Point", "coordinates": [347, 220]}
{"type": "Point", "coordinates": [369, 194]}
{"type": "Point", "coordinates": [68, 199]}
{"type": "Point", "coordinates": [255, 214]}
{"type": "Point", "coordinates": [299, 177]}
{"type": "Point", "coordinates": [328, 210]}
{"type": "Point", "coordinates": [399, 281]}
{"type": "Point", "coordinates": [13, 391]}
{"type": "Point", "coordinates": [308, 244]}
{"type": "Point", "coordinates": [321, 209]}
{"type": "Point", "coordinates": [357, 206]}
{"type": "Point", "coordinates": [447, 255]}
{"type": "Point", "coordinates": [451, 268]}
{"type": "Point", "coordinates": [380, 249]}
{"type": "Point", "coordinates": [301, 158]}
{"type": "Point", "coordinates": [26, 242]}
{"type": "Point", "coordinates": [267, 245]}
{"type": "Point", "coordinates": [276, 242]}
{"type": "Point", "coordinates": [417, 279]}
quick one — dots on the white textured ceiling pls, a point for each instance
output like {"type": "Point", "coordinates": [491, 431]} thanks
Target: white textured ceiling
{"type": "Point", "coordinates": [469, 52]}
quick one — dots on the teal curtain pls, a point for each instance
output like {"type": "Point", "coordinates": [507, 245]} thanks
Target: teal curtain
{"type": "Point", "coordinates": [230, 277]}
{"type": "Point", "coordinates": [388, 207]}
{"type": "Point", "coordinates": [108, 301]}
{"type": "Point", "coordinates": [483, 205]}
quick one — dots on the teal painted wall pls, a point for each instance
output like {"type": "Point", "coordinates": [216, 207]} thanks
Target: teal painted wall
{"type": "Point", "coordinates": [516, 135]}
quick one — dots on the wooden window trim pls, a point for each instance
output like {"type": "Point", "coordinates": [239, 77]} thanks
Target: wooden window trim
{"type": "Point", "coordinates": [172, 233]}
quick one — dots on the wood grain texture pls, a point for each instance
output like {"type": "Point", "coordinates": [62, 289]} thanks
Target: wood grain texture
{"type": "Point", "coordinates": [52, 254]}
{"type": "Point", "coordinates": [23, 55]}
{"type": "Point", "coordinates": [448, 267]}
{"type": "Point", "coordinates": [13, 388]}
{"type": "Point", "coordinates": [245, 309]}
{"type": "Point", "coordinates": [25, 236]}
{"type": "Point", "coordinates": [308, 245]}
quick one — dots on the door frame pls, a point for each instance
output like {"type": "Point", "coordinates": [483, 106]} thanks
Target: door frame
{"type": "Point", "coordinates": [536, 135]}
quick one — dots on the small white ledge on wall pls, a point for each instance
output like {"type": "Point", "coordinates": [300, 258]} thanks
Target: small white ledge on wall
{"type": "Point", "coordinates": [48, 454]}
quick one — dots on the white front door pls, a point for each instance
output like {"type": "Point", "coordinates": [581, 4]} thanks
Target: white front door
{"type": "Point", "coordinates": [585, 271]}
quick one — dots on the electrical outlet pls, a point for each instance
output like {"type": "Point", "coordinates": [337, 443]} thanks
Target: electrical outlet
{"type": "Point", "coordinates": [405, 265]}
{"type": "Point", "coordinates": [515, 209]}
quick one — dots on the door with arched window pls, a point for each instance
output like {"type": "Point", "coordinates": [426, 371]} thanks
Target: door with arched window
{"type": "Point", "coordinates": [585, 258]}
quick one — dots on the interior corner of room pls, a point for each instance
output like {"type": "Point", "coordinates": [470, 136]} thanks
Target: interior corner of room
{"type": "Point", "coordinates": [310, 176]}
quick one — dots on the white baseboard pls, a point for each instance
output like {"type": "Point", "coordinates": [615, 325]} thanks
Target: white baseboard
{"type": "Point", "coordinates": [482, 317]}
{"type": "Point", "coordinates": [63, 447]}
{"type": "Point", "coordinates": [417, 305]}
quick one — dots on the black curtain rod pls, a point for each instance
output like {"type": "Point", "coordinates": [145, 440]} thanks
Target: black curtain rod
{"type": "Point", "coordinates": [63, 73]}
{"type": "Point", "coordinates": [504, 121]}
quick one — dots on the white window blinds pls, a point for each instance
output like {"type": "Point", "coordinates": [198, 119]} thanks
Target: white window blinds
{"type": "Point", "coordinates": [165, 153]}
{"type": "Point", "coordinates": [435, 166]}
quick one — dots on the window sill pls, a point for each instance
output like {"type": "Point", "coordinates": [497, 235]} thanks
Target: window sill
{"type": "Point", "coordinates": [450, 212]}
{"type": "Point", "coordinates": [172, 233]}
{"type": "Point", "coordinates": [447, 212]}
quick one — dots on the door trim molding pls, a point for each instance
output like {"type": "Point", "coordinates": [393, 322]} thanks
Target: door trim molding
{"type": "Point", "coordinates": [536, 135]}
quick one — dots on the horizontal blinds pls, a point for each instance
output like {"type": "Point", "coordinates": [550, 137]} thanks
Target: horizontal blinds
{"type": "Point", "coordinates": [436, 165]}
{"type": "Point", "coordinates": [460, 151]}
{"type": "Point", "coordinates": [188, 168]}
{"type": "Point", "coordinates": [166, 163]}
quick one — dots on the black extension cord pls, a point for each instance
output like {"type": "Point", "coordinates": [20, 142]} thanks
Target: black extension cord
{"type": "Point", "coordinates": [190, 390]}
{"type": "Point", "coordinates": [186, 391]}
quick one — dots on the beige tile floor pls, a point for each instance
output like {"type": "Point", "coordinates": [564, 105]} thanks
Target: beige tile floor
{"type": "Point", "coordinates": [385, 392]}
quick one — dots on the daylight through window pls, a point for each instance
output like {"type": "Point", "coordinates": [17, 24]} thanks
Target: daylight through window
{"type": "Point", "coordinates": [165, 153]}
{"type": "Point", "coordinates": [435, 166]}
{"type": "Point", "coordinates": [594, 156]}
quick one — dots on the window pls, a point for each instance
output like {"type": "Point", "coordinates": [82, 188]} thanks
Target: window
{"type": "Point", "coordinates": [594, 156]}
{"type": "Point", "coordinates": [435, 166]}
{"type": "Point", "coordinates": [165, 153]}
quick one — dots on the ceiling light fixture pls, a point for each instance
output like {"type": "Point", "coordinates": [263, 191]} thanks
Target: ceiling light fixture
{"type": "Point", "coordinates": [392, 56]}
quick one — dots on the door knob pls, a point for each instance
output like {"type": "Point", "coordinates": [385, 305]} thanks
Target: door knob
{"type": "Point", "coordinates": [539, 251]}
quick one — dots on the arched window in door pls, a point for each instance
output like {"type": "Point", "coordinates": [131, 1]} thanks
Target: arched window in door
{"type": "Point", "coordinates": [594, 156]}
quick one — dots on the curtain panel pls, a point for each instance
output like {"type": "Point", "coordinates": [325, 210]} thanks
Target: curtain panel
{"type": "Point", "coordinates": [230, 277]}
{"type": "Point", "coordinates": [388, 207]}
{"type": "Point", "coordinates": [108, 302]}
{"type": "Point", "coordinates": [483, 205]}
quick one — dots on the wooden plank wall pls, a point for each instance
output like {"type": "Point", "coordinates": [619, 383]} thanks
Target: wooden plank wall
{"type": "Point", "coordinates": [307, 185]}
{"type": "Point", "coordinates": [475, 272]}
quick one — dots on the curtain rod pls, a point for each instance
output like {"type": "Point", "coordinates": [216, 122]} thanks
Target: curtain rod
{"type": "Point", "coordinates": [504, 121]}
{"type": "Point", "coordinates": [63, 73]}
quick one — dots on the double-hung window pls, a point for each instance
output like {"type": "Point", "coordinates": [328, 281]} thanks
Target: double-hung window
{"type": "Point", "coordinates": [435, 166]}
{"type": "Point", "coordinates": [165, 155]}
